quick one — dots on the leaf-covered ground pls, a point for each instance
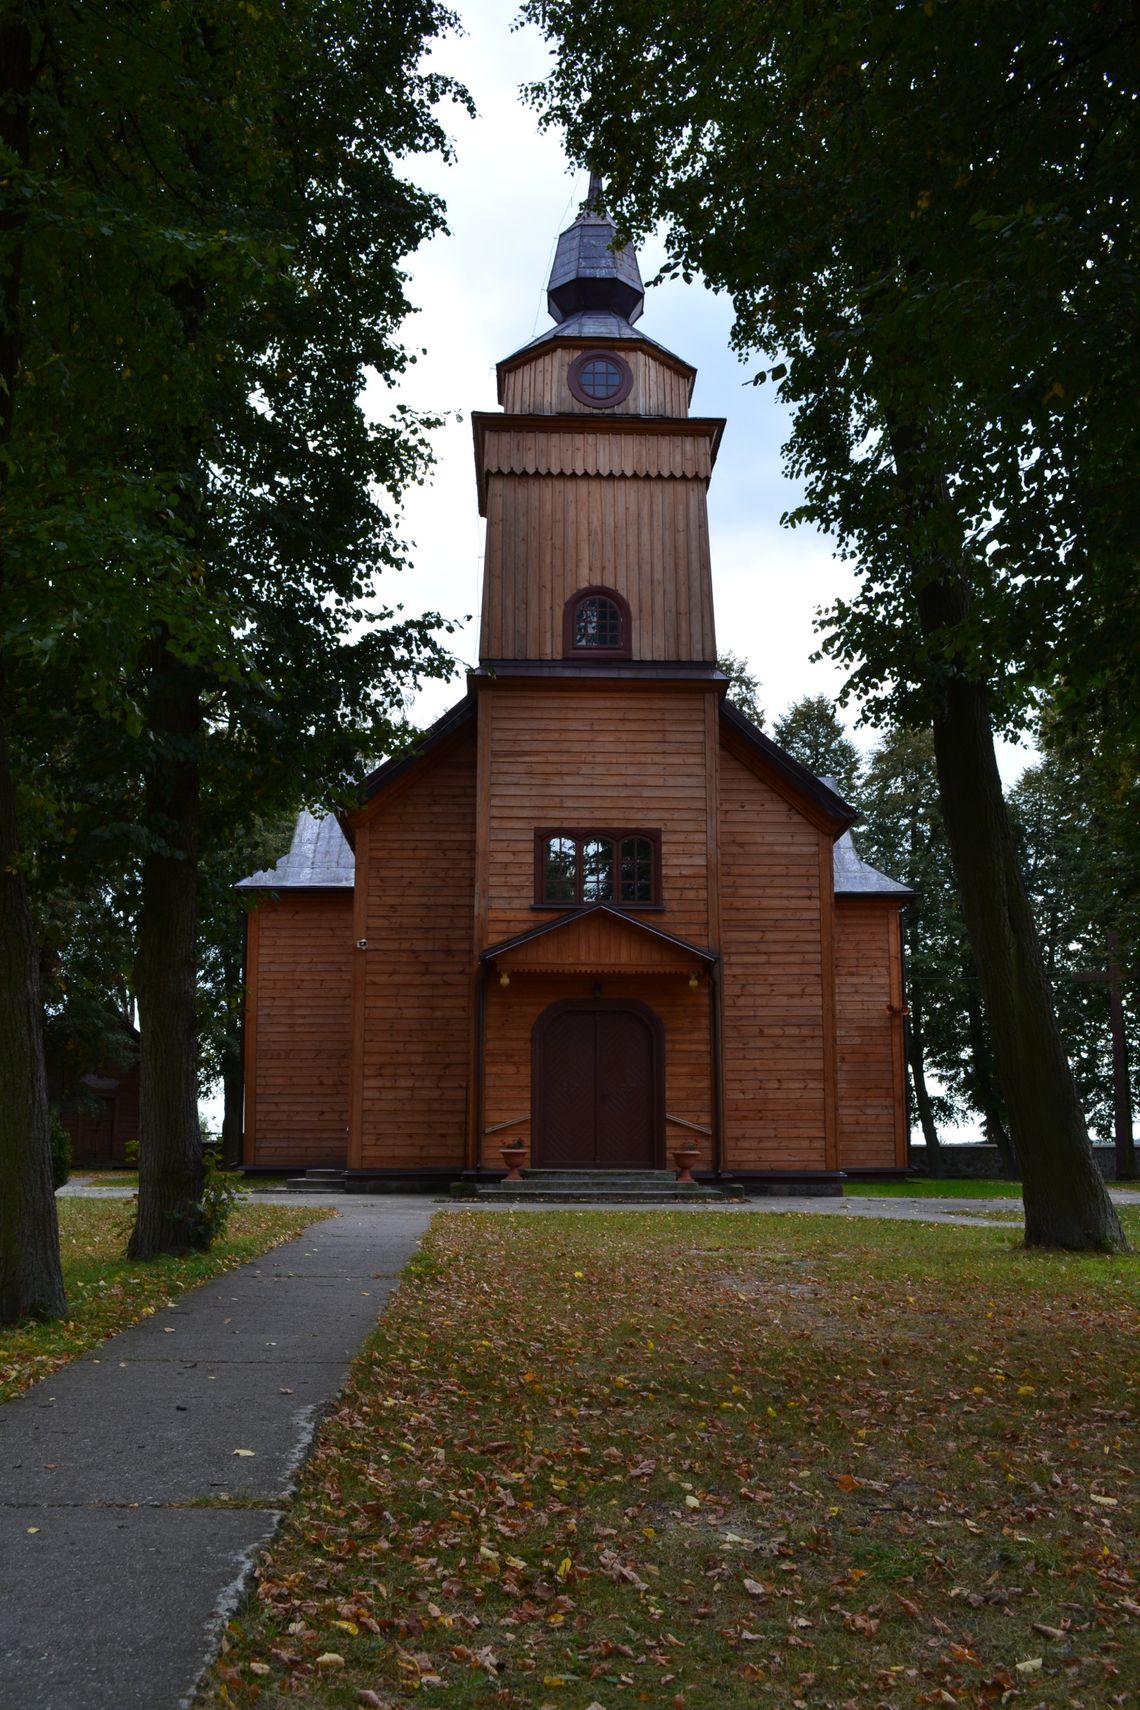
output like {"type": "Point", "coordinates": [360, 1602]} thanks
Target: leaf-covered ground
{"type": "Point", "coordinates": [703, 1461]}
{"type": "Point", "coordinates": [106, 1292]}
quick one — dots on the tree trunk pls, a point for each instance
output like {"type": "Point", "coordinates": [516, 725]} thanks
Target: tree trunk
{"type": "Point", "coordinates": [1066, 1204]}
{"type": "Point", "coordinates": [31, 1278]}
{"type": "Point", "coordinates": [986, 1094]}
{"type": "Point", "coordinates": [170, 1144]}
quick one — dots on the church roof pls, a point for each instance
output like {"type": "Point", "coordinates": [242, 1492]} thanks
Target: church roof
{"type": "Point", "coordinates": [318, 859]}
{"type": "Point", "coordinates": [855, 877]}
{"type": "Point", "coordinates": [589, 274]}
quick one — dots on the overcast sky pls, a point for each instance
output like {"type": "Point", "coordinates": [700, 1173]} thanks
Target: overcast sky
{"type": "Point", "coordinates": [480, 293]}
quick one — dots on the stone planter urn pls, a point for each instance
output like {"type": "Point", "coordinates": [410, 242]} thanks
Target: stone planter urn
{"type": "Point", "coordinates": [514, 1157]}
{"type": "Point", "coordinates": [684, 1157]}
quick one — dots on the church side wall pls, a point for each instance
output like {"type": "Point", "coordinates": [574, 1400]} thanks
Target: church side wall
{"type": "Point", "coordinates": [416, 864]}
{"type": "Point", "coordinates": [298, 971]}
{"type": "Point", "coordinates": [607, 758]}
{"type": "Point", "coordinates": [872, 1091]}
{"type": "Point", "coordinates": [549, 535]}
{"type": "Point", "coordinates": [774, 1011]}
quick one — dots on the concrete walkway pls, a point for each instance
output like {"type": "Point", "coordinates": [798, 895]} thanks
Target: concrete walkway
{"type": "Point", "coordinates": [120, 1549]}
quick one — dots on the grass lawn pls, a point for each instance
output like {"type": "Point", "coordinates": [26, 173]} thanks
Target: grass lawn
{"type": "Point", "coordinates": [940, 1187]}
{"type": "Point", "coordinates": [944, 1187]}
{"type": "Point", "coordinates": [106, 1292]}
{"type": "Point", "coordinates": [701, 1461]}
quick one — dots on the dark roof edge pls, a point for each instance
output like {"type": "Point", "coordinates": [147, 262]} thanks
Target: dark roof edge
{"type": "Point", "coordinates": [708, 956]}
{"type": "Point", "coordinates": [432, 738]}
{"type": "Point", "coordinates": [806, 782]}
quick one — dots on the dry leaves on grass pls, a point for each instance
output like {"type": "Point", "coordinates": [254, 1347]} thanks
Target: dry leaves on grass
{"type": "Point", "coordinates": [579, 1464]}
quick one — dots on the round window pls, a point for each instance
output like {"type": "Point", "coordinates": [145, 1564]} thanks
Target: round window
{"type": "Point", "coordinates": [600, 378]}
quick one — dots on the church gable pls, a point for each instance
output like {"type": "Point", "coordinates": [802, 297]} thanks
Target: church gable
{"type": "Point", "coordinates": [597, 940]}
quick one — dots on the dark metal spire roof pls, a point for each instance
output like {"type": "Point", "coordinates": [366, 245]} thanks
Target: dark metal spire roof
{"type": "Point", "coordinates": [587, 274]}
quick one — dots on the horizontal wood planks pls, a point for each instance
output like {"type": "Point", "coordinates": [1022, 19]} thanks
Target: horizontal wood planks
{"type": "Point", "coordinates": [416, 989]}
{"type": "Point", "coordinates": [512, 1012]}
{"type": "Point", "coordinates": [539, 386]}
{"type": "Point", "coordinates": [872, 1091]}
{"type": "Point", "coordinates": [773, 1019]}
{"type": "Point", "coordinates": [297, 1050]}
{"type": "Point", "coordinates": [548, 535]}
{"type": "Point", "coordinates": [599, 756]}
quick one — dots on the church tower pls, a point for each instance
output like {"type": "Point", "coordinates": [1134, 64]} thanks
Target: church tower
{"type": "Point", "coordinates": [593, 479]}
{"type": "Point", "coordinates": [598, 698]}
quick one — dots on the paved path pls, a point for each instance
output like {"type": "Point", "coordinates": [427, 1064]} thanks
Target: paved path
{"type": "Point", "coordinates": [118, 1555]}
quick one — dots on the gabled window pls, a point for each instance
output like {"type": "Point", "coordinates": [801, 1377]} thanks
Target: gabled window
{"type": "Point", "coordinates": [575, 867]}
{"type": "Point", "coordinates": [596, 625]}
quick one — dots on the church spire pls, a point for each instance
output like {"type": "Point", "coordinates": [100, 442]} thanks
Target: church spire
{"type": "Point", "coordinates": [588, 276]}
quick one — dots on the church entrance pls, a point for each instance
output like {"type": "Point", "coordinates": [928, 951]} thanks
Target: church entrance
{"type": "Point", "coordinates": [597, 1093]}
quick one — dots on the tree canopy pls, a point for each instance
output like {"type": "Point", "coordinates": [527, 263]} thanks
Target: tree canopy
{"type": "Point", "coordinates": [201, 236]}
{"type": "Point", "coordinates": [923, 216]}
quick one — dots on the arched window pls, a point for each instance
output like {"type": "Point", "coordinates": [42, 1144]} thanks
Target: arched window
{"type": "Point", "coordinates": [596, 625]}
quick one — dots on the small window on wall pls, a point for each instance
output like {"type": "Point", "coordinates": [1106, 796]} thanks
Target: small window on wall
{"type": "Point", "coordinates": [579, 867]}
{"type": "Point", "coordinates": [600, 378]}
{"type": "Point", "coordinates": [596, 625]}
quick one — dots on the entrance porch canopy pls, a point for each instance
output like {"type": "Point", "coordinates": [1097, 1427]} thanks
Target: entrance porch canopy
{"type": "Point", "coordinates": [597, 939]}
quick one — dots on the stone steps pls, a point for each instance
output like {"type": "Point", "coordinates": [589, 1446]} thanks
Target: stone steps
{"type": "Point", "coordinates": [598, 1187]}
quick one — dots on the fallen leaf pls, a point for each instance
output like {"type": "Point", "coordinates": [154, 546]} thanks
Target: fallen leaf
{"type": "Point", "coordinates": [1031, 1665]}
{"type": "Point", "coordinates": [246, 1452]}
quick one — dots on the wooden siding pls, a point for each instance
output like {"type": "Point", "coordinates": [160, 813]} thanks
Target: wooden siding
{"type": "Point", "coordinates": [539, 385]}
{"type": "Point", "coordinates": [510, 450]}
{"type": "Point", "coordinates": [512, 1013]}
{"type": "Point", "coordinates": [299, 973]}
{"type": "Point", "coordinates": [415, 879]}
{"type": "Point", "coordinates": [548, 535]}
{"type": "Point", "coordinates": [872, 1092]}
{"type": "Point", "coordinates": [594, 755]}
{"type": "Point", "coordinates": [774, 1008]}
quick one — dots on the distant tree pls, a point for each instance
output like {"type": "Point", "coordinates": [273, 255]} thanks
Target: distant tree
{"type": "Point", "coordinates": [947, 1038]}
{"type": "Point", "coordinates": [1078, 850]}
{"type": "Point", "coordinates": [812, 732]}
{"type": "Point", "coordinates": [743, 690]}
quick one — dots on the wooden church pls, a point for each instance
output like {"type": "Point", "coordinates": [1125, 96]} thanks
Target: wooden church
{"type": "Point", "coordinates": [595, 908]}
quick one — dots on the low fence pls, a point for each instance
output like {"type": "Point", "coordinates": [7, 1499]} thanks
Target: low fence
{"type": "Point", "coordinates": [974, 1162]}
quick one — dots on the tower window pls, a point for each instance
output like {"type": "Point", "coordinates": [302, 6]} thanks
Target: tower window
{"type": "Point", "coordinates": [596, 624]}
{"type": "Point", "coordinates": [578, 867]}
{"type": "Point", "coordinates": [600, 378]}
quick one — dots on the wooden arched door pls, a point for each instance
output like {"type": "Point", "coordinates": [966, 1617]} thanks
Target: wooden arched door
{"type": "Point", "coordinates": [597, 1072]}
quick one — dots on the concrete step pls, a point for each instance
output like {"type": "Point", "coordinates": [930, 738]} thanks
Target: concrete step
{"type": "Point", "coordinates": [604, 1187]}
{"type": "Point", "coordinates": [598, 1196]}
{"type": "Point", "coordinates": [330, 1180]}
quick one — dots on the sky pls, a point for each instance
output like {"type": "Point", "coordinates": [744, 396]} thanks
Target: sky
{"type": "Point", "coordinates": [480, 294]}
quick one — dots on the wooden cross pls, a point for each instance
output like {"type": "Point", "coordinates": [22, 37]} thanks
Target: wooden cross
{"type": "Point", "coordinates": [1114, 977]}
